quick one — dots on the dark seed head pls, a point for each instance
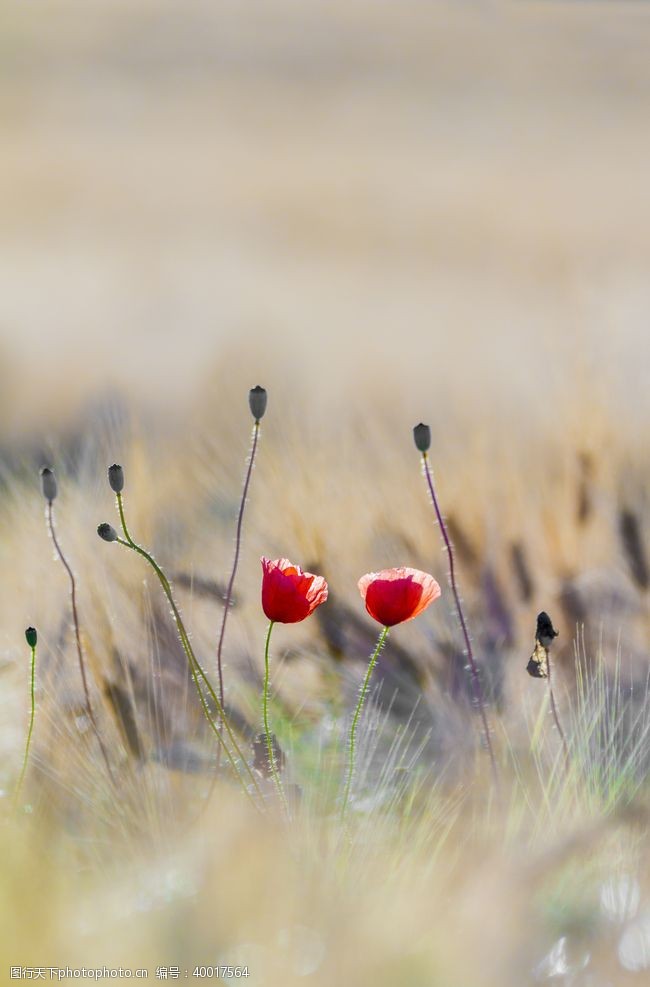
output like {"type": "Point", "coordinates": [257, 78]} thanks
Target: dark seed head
{"type": "Point", "coordinates": [31, 636]}
{"type": "Point", "coordinates": [116, 478]}
{"type": "Point", "coordinates": [537, 666]}
{"type": "Point", "coordinates": [257, 402]}
{"type": "Point", "coordinates": [107, 532]}
{"type": "Point", "coordinates": [545, 632]}
{"type": "Point", "coordinates": [48, 484]}
{"type": "Point", "coordinates": [422, 437]}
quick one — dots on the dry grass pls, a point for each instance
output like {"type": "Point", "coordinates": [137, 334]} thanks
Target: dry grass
{"type": "Point", "coordinates": [160, 877]}
{"type": "Point", "coordinates": [383, 214]}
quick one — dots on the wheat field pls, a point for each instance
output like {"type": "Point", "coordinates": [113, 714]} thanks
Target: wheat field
{"type": "Point", "coordinates": [384, 214]}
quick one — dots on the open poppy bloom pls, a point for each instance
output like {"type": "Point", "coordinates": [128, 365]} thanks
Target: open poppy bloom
{"type": "Point", "coordinates": [289, 594]}
{"type": "Point", "coordinates": [395, 595]}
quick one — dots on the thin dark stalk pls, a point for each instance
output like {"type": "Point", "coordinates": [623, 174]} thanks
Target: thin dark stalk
{"type": "Point", "coordinates": [231, 581]}
{"type": "Point", "coordinates": [476, 680]}
{"type": "Point", "coordinates": [31, 726]}
{"type": "Point", "coordinates": [554, 711]}
{"type": "Point", "coordinates": [77, 635]}
{"type": "Point", "coordinates": [195, 666]}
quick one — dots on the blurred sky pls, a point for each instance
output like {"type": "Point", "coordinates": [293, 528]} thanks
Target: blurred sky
{"type": "Point", "coordinates": [452, 195]}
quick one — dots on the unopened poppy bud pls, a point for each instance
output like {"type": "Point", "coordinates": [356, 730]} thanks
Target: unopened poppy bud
{"type": "Point", "coordinates": [48, 483]}
{"type": "Point", "coordinates": [107, 532]}
{"type": "Point", "coordinates": [116, 478]}
{"type": "Point", "coordinates": [31, 636]}
{"type": "Point", "coordinates": [422, 437]}
{"type": "Point", "coordinates": [257, 401]}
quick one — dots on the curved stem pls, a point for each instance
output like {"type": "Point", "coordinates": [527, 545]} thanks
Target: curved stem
{"type": "Point", "coordinates": [231, 581]}
{"type": "Point", "coordinates": [195, 667]}
{"type": "Point", "coordinates": [476, 680]}
{"type": "Point", "coordinates": [355, 721]}
{"type": "Point", "coordinates": [554, 711]}
{"type": "Point", "coordinates": [267, 729]}
{"type": "Point", "coordinates": [29, 732]}
{"type": "Point", "coordinates": [77, 635]}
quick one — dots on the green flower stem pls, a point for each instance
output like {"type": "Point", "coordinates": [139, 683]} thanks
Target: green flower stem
{"type": "Point", "coordinates": [355, 721]}
{"type": "Point", "coordinates": [267, 731]}
{"type": "Point", "coordinates": [30, 731]}
{"type": "Point", "coordinates": [195, 667]}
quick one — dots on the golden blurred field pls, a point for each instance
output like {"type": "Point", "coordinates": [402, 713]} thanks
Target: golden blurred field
{"type": "Point", "coordinates": [383, 213]}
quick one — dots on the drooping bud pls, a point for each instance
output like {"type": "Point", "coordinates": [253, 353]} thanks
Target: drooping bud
{"type": "Point", "coordinates": [422, 437]}
{"type": "Point", "coordinates": [545, 632]}
{"type": "Point", "coordinates": [107, 532]}
{"type": "Point", "coordinates": [31, 637]}
{"type": "Point", "coordinates": [116, 478]}
{"type": "Point", "coordinates": [48, 484]}
{"type": "Point", "coordinates": [257, 402]}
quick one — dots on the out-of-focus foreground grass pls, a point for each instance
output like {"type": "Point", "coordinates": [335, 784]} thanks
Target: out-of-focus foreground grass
{"type": "Point", "coordinates": [551, 876]}
{"type": "Point", "coordinates": [382, 213]}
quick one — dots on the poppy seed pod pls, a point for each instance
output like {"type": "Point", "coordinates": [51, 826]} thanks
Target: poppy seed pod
{"type": "Point", "coordinates": [422, 437]}
{"type": "Point", "coordinates": [257, 402]}
{"type": "Point", "coordinates": [107, 532]}
{"type": "Point", "coordinates": [116, 478]}
{"type": "Point", "coordinates": [31, 636]}
{"type": "Point", "coordinates": [48, 483]}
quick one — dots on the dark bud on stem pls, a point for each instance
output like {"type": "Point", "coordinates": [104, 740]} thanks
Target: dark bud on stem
{"type": "Point", "coordinates": [48, 484]}
{"type": "Point", "coordinates": [107, 532]}
{"type": "Point", "coordinates": [116, 478]}
{"type": "Point", "coordinates": [31, 637]}
{"type": "Point", "coordinates": [545, 632]}
{"type": "Point", "coordinates": [257, 402]}
{"type": "Point", "coordinates": [422, 437]}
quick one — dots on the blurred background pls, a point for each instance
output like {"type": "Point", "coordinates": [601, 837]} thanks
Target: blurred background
{"type": "Point", "coordinates": [384, 213]}
{"type": "Point", "coordinates": [450, 195]}
{"type": "Point", "coordinates": [437, 211]}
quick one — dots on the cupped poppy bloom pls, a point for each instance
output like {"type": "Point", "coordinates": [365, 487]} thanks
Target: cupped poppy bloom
{"type": "Point", "coordinates": [395, 595]}
{"type": "Point", "coordinates": [289, 594]}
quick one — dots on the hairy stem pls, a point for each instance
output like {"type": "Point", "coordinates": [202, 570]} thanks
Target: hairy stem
{"type": "Point", "coordinates": [476, 679]}
{"type": "Point", "coordinates": [195, 666]}
{"type": "Point", "coordinates": [30, 731]}
{"type": "Point", "coordinates": [77, 634]}
{"type": "Point", "coordinates": [267, 729]}
{"type": "Point", "coordinates": [355, 720]}
{"type": "Point", "coordinates": [554, 711]}
{"type": "Point", "coordinates": [231, 581]}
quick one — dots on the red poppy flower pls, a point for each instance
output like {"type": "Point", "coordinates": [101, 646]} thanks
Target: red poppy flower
{"type": "Point", "coordinates": [395, 595]}
{"type": "Point", "coordinates": [288, 593]}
